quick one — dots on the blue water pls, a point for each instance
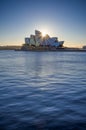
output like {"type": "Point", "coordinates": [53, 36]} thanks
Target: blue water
{"type": "Point", "coordinates": [42, 90]}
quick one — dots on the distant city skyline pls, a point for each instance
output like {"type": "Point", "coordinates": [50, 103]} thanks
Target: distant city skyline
{"type": "Point", "coordinates": [65, 19]}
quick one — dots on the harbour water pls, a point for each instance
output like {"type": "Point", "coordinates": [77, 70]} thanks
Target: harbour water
{"type": "Point", "coordinates": [42, 90]}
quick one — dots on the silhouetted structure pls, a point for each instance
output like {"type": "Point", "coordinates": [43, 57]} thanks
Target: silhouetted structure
{"type": "Point", "coordinates": [39, 40]}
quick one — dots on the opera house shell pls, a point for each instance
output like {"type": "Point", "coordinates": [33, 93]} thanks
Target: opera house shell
{"type": "Point", "coordinates": [39, 40]}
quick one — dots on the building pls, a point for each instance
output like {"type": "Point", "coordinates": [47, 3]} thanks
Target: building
{"type": "Point", "coordinates": [84, 47]}
{"type": "Point", "coordinates": [39, 40]}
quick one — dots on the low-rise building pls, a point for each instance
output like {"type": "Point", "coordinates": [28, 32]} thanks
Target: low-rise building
{"type": "Point", "coordinates": [39, 40]}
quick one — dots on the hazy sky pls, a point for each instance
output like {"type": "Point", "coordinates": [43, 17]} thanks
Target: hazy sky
{"type": "Point", "coordinates": [65, 19]}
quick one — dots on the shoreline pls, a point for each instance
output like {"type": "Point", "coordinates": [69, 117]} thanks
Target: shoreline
{"type": "Point", "coordinates": [42, 49]}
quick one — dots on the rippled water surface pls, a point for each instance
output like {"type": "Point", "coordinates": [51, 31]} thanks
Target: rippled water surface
{"type": "Point", "coordinates": [42, 90]}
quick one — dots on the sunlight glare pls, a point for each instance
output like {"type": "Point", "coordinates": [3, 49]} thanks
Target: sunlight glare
{"type": "Point", "coordinates": [44, 33]}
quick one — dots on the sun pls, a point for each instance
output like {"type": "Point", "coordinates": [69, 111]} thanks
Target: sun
{"type": "Point", "coordinates": [44, 33]}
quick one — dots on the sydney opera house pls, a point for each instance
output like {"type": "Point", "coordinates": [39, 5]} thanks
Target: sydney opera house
{"type": "Point", "coordinates": [39, 41]}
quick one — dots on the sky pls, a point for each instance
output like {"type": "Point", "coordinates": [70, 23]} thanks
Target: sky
{"type": "Point", "coordinates": [65, 19]}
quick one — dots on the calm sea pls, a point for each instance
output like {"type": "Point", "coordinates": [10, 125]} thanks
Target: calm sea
{"type": "Point", "coordinates": [42, 90]}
